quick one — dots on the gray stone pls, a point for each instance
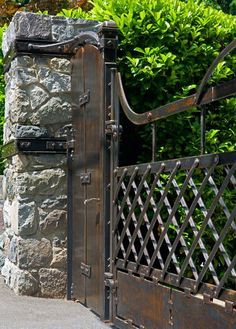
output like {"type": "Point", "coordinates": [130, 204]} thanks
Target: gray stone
{"type": "Point", "coordinates": [55, 111]}
{"type": "Point", "coordinates": [60, 65]}
{"type": "Point", "coordinates": [2, 260]}
{"type": "Point", "coordinates": [10, 186]}
{"type": "Point", "coordinates": [22, 282]}
{"type": "Point", "coordinates": [62, 31]}
{"type": "Point", "coordinates": [12, 252]}
{"type": "Point", "coordinates": [59, 202]}
{"type": "Point", "coordinates": [26, 284]}
{"type": "Point", "coordinates": [25, 76]}
{"type": "Point", "coordinates": [55, 82]}
{"type": "Point", "coordinates": [26, 61]}
{"type": "Point", "coordinates": [31, 131]}
{"type": "Point", "coordinates": [27, 218]}
{"type": "Point", "coordinates": [59, 258]}
{"type": "Point", "coordinates": [54, 221]}
{"type": "Point", "coordinates": [37, 96]}
{"type": "Point", "coordinates": [39, 162]}
{"type": "Point", "coordinates": [46, 182]}
{"type": "Point", "coordinates": [18, 105]}
{"type": "Point", "coordinates": [2, 241]}
{"type": "Point", "coordinates": [34, 254]}
{"type": "Point", "coordinates": [52, 283]}
{"type": "Point", "coordinates": [31, 26]}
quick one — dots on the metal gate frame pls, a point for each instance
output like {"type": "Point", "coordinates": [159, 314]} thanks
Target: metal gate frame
{"type": "Point", "coordinates": [164, 298]}
{"type": "Point", "coordinates": [167, 298]}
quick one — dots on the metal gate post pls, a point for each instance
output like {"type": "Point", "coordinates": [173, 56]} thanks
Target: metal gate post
{"type": "Point", "coordinates": [109, 41]}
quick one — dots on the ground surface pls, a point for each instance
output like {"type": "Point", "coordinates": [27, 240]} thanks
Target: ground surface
{"type": "Point", "coordinates": [21, 312]}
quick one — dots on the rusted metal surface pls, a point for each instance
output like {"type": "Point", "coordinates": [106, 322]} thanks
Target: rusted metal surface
{"type": "Point", "coordinates": [78, 160]}
{"type": "Point", "coordinates": [89, 168]}
{"type": "Point", "coordinates": [142, 303]}
{"type": "Point", "coordinates": [88, 122]}
{"type": "Point", "coordinates": [212, 94]}
{"type": "Point", "coordinates": [195, 312]}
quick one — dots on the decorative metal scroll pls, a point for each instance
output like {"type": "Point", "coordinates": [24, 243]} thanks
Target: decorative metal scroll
{"type": "Point", "coordinates": [200, 98]}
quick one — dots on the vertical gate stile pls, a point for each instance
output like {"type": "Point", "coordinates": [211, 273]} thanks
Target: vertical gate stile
{"type": "Point", "coordinates": [109, 42]}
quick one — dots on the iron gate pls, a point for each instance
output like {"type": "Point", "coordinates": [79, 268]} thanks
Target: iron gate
{"type": "Point", "coordinates": [146, 251]}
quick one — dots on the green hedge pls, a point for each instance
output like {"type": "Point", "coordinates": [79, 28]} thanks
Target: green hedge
{"type": "Point", "coordinates": [165, 49]}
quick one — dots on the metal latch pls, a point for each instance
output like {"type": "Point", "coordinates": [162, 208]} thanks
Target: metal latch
{"type": "Point", "coordinates": [110, 282]}
{"type": "Point", "coordinates": [85, 270]}
{"type": "Point", "coordinates": [84, 98]}
{"type": "Point", "coordinates": [113, 129]}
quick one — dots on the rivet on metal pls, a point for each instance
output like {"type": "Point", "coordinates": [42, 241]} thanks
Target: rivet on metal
{"type": "Point", "coordinates": [149, 116]}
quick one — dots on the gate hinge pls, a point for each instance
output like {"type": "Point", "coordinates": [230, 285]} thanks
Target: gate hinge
{"type": "Point", "coordinates": [110, 282]}
{"type": "Point", "coordinates": [113, 129]}
{"type": "Point", "coordinates": [85, 270]}
{"type": "Point", "coordinates": [84, 98]}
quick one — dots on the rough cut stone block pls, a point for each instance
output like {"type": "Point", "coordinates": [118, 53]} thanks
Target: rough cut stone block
{"type": "Point", "coordinates": [26, 61]}
{"type": "Point", "coordinates": [31, 131]}
{"type": "Point", "coordinates": [27, 26]}
{"type": "Point", "coordinates": [62, 31]}
{"type": "Point", "coordinates": [22, 282]}
{"type": "Point", "coordinates": [55, 82]}
{"type": "Point", "coordinates": [18, 107]}
{"type": "Point", "coordinates": [34, 254]}
{"type": "Point", "coordinates": [54, 221]}
{"type": "Point", "coordinates": [27, 218]}
{"type": "Point", "coordinates": [40, 162]}
{"type": "Point", "coordinates": [59, 258]}
{"type": "Point", "coordinates": [25, 76]}
{"type": "Point", "coordinates": [45, 182]}
{"type": "Point", "coordinates": [37, 96]}
{"type": "Point", "coordinates": [61, 65]}
{"type": "Point", "coordinates": [52, 283]}
{"type": "Point", "coordinates": [12, 251]}
{"type": "Point", "coordinates": [55, 111]}
{"type": "Point", "coordinates": [10, 214]}
{"type": "Point", "coordinates": [2, 260]}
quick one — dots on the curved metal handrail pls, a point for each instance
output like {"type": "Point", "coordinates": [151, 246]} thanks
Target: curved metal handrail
{"type": "Point", "coordinates": [200, 98]}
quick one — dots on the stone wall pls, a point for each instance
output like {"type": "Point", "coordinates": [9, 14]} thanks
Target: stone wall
{"type": "Point", "coordinates": [38, 104]}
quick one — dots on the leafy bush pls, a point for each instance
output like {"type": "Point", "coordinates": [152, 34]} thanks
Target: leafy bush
{"type": "Point", "coordinates": [165, 49]}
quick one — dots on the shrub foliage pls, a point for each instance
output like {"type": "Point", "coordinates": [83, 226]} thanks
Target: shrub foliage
{"type": "Point", "coordinates": [165, 49]}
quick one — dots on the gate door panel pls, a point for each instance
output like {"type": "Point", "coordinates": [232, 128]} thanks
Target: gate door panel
{"type": "Point", "coordinates": [89, 166]}
{"type": "Point", "coordinates": [88, 227]}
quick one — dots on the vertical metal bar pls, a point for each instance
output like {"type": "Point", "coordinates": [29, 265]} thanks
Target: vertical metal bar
{"type": "Point", "coordinates": [69, 217]}
{"type": "Point", "coordinates": [203, 129]}
{"type": "Point", "coordinates": [154, 141]}
{"type": "Point", "coordinates": [114, 153]}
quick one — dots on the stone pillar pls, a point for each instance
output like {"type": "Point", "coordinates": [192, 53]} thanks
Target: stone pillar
{"type": "Point", "coordinates": [38, 104]}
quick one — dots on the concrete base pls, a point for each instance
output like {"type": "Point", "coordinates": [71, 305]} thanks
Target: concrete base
{"type": "Point", "coordinates": [21, 312]}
